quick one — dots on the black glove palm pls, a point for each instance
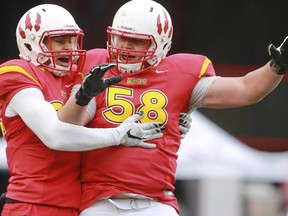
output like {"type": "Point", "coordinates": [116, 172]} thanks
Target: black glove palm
{"type": "Point", "coordinates": [279, 57]}
{"type": "Point", "coordinates": [93, 83]}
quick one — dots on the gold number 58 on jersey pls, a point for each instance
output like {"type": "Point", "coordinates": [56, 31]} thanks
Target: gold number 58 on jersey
{"type": "Point", "coordinates": [152, 103]}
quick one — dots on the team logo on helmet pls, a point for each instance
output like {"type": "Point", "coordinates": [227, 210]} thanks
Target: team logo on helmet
{"type": "Point", "coordinates": [160, 29]}
{"type": "Point", "coordinates": [28, 25]}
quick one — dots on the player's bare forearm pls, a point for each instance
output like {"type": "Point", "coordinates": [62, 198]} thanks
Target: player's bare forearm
{"type": "Point", "coordinates": [261, 82]}
{"type": "Point", "coordinates": [73, 113]}
{"type": "Point", "coordinates": [229, 92]}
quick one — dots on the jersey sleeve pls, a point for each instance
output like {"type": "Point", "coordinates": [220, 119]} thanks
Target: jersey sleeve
{"type": "Point", "coordinates": [204, 66]}
{"type": "Point", "coordinates": [200, 91]}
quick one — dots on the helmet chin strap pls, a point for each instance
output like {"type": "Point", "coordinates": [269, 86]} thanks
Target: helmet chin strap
{"type": "Point", "coordinates": [129, 68]}
{"type": "Point", "coordinates": [133, 68]}
{"type": "Point", "coordinates": [58, 73]}
{"type": "Point", "coordinates": [57, 70]}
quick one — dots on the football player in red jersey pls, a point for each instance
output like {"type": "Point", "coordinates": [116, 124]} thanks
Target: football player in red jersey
{"type": "Point", "coordinates": [42, 151]}
{"type": "Point", "coordinates": [132, 181]}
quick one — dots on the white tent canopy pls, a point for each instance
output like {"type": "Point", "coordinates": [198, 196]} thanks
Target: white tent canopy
{"type": "Point", "coordinates": [209, 151]}
{"type": "Point", "coordinates": [3, 162]}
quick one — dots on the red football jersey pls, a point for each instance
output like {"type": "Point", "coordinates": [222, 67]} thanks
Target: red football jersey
{"type": "Point", "coordinates": [37, 174]}
{"type": "Point", "coordinates": [162, 92]}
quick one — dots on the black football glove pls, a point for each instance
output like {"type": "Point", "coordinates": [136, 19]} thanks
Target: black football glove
{"type": "Point", "coordinates": [94, 83]}
{"type": "Point", "coordinates": [279, 57]}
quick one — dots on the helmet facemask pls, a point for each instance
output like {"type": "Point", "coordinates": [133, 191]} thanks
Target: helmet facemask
{"type": "Point", "coordinates": [130, 60]}
{"type": "Point", "coordinates": [60, 62]}
{"type": "Point", "coordinates": [140, 19]}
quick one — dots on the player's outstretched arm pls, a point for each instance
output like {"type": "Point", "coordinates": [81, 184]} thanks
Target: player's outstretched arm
{"type": "Point", "coordinates": [41, 117]}
{"type": "Point", "coordinates": [227, 92]}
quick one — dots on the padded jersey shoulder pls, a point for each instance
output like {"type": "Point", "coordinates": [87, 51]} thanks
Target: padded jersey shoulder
{"type": "Point", "coordinates": [194, 64]}
{"type": "Point", "coordinates": [95, 57]}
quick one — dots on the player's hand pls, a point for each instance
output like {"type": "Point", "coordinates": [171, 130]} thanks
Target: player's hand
{"type": "Point", "coordinates": [185, 121]}
{"type": "Point", "coordinates": [279, 57]}
{"type": "Point", "coordinates": [94, 83]}
{"type": "Point", "coordinates": [136, 134]}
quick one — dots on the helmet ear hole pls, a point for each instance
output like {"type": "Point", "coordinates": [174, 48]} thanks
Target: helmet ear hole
{"type": "Point", "coordinates": [28, 46]}
{"type": "Point", "coordinates": [165, 45]}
